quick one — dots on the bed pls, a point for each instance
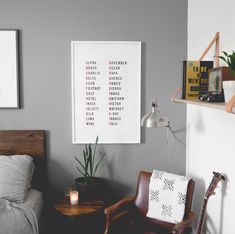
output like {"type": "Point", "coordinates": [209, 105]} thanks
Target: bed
{"type": "Point", "coordinates": [22, 216]}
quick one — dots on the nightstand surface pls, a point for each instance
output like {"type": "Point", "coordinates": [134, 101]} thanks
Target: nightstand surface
{"type": "Point", "coordinates": [83, 208]}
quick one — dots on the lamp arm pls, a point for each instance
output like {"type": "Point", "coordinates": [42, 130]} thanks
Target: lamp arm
{"type": "Point", "coordinates": [170, 134]}
{"type": "Point", "coordinates": [170, 128]}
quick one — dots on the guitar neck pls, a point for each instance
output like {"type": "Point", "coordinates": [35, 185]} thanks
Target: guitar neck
{"type": "Point", "coordinates": [202, 216]}
{"type": "Point", "coordinates": [210, 191]}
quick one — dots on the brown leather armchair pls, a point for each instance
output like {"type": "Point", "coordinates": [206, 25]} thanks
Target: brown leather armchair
{"type": "Point", "coordinates": [128, 216]}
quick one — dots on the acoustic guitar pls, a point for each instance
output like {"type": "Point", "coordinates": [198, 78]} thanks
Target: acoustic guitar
{"type": "Point", "coordinates": [210, 191]}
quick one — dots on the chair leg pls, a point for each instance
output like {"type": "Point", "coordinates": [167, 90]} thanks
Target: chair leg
{"type": "Point", "coordinates": [107, 225]}
{"type": "Point", "coordinates": [106, 232]}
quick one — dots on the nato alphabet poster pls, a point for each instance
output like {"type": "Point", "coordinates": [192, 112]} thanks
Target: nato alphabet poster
{"type": "Point", "coordinates": [106, 88]}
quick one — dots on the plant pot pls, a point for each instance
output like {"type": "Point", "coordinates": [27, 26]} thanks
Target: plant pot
{"type": "Point", "coordinates": [89, 191]}
{"type": "Point", "coordinates": [229, 89]}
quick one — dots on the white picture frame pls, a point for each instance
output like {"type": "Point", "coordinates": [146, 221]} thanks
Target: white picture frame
{"type": "Point", "coordinates": [106, 102]}
{"type": "Point", "coordinates": [9, 70]}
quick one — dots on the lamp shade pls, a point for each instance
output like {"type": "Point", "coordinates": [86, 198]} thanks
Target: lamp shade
{"type": "Point", "coordinates": [154, 119]}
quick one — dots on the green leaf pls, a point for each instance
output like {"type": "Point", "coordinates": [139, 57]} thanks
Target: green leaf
{"type": "Point", "coordinates": [221, 57]}
{"type": "Point", "coordinates": [90, 159]}
{"type": "Point", "coordinates": [225, 53]}
{"type": "Point", "coordinates": [84, 159]}
{"type": "Point", "coordinates": [84, 156]}
{"type": "Point", "coordinates": [86, 150]}
{"type": "Point", "coordinates": [97, 139]}
{"type": "Point", "coordinates": [81, 171]}
{"type": "Point", "coordinates": [232, 58]}
{"type": "Point", "coordinates": [79, 162]}
{"type": "Point", "coordinates": [86, 162]}
{"type": "Point", "coordinates": [232, 68]}
{"type": "Point", "coordinates": [229, 62]}
{"type": "Point", "coordinates": [98, 163]}
{"type": "Point", "coordinates": [96, 142]}
{"type": "Point", "coordinates": [232, 65]}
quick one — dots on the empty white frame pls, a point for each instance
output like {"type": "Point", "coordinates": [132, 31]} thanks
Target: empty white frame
{"type": "Point", "coordinates": [9, 69]}
{"type": "Point", "coordinates": [106, 87]}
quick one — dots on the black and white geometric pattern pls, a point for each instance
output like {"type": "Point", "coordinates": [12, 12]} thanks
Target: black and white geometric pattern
{"type": "Point", "coordinates": [182, 198]}
{"type": "Point", "coordinates": [168, 184]}
{"type": "Point", "coordinates": [157, 174]}
{"type": "Point", "coordinates": [167, 196]}
{"type": "Point", "coordinates": [185, 178]}
{"type": "Point", "coordinates": [166, 210]}
{"type": "Point", "coordinates": [154, 195]}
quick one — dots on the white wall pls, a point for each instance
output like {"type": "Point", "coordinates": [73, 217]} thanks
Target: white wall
{"type": "Point", "coordinates": [210, 132]}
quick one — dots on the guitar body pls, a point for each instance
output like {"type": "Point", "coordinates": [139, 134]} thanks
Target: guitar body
{"type": "Point", "coordinates": [217, 177]}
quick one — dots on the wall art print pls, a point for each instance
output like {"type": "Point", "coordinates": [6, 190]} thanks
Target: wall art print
{"type": "Point", "coordinates": [9, 70]}
{"type": "Point", "coordinates": [106, 88]}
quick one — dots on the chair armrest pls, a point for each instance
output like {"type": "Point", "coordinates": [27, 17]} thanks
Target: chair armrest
{"type": "Point", "coordinates": [117, 210]}
{"type": "Point", "coordinates": [187, 222]}
{"type": "Point", "coordinates": [120, 205]}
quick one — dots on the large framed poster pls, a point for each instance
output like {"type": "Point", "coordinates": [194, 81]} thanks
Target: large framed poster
{"type": "Point", "coordinates": [9, 70]}
{"type": "Point", "coordinates": [106, 87]}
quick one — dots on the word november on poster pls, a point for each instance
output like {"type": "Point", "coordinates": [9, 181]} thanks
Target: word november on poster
{"type": "Point", "coordinates": [106, 86]}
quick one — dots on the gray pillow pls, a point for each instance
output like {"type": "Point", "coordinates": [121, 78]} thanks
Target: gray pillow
{"type": "Point", "coordinates": [15, 175]}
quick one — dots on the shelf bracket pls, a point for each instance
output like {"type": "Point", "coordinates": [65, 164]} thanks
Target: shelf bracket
{"type": "Point", "coordinates": [215, 41]}
{"type": "Point", "coordinates": [173, 98]}
{"type": "Point", "coordinates": [230, 105]}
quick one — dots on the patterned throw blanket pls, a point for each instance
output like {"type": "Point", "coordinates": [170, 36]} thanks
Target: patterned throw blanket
{"type": "Point", "coordinates": [167, 196]}
{"type": "Point", "coordinates": [15, 219]}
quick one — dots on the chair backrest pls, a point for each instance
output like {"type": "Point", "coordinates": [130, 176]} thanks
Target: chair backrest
{"type": "Point", "coordinates": [142, 194]}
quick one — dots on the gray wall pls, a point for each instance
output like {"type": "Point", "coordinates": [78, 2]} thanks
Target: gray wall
{"type": "Point", "coordinates": [46, 29]}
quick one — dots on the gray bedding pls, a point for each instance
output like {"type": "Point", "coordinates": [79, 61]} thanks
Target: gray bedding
{"type": "Point", "coordinates": [35, 202]}
{"type": "Point", "coordinates": [15, 219]}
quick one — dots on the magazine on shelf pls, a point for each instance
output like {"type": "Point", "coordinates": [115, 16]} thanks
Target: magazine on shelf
{"type": "Point", "coordinates": [195, 79]}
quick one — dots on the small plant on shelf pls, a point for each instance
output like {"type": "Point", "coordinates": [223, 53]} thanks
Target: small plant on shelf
{"type": "Point", "coordinates": [229, 59]}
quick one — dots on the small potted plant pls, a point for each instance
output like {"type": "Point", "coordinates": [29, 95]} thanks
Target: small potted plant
{"type": "Point", "coordinates": [88, 185]}
{"type": "Point", "coordinates": [229, 85]}
{"type": "Point", "coordinates": [229, 59]}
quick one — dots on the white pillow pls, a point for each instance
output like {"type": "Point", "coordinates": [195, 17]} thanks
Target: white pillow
{"type": "Point", "coordinates": [15, 177]}
{"type": "Point", "coordinates": [167, 196]}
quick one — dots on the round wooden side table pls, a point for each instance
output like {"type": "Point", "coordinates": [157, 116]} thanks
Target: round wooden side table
{"type": "Point", "coordinates": [83, 208]}
{"type": "Point", "coordinates": [84, 218]}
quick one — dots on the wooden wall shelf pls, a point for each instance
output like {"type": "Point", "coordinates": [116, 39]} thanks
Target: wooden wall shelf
{"type": "Point", "coordinates": [214, 105]}
{"type": "Point", "coordinates": [229, 107]}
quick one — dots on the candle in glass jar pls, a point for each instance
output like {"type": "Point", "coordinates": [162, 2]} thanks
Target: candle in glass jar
{"type": "Point", "coordinates": [74, 195]}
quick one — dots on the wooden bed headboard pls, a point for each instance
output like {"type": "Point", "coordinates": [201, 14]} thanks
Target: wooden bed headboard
{"type": "Point", "coordinates": [30, 142]}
